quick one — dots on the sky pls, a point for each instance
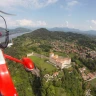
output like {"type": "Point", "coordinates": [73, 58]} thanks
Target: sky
{"type": "Point", "coordinates": [78, 14]}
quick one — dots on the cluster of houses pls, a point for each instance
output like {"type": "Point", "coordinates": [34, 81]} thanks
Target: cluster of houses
{"type": "Point", "coordinates": [87, 76]}
{"type": "Point", "coordinates": [92, 54]}
{"type": "Point", "coordinates": [59, 61]}
{"type": "Point", "coordinates": [71, 48]}
{"type": "Point", "coordinates": [51, 77]}
{"type": "Point", "coordinates": [56, 60]}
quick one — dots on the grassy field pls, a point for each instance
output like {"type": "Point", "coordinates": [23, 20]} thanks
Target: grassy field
{"type": "Point", "coordinates": [93, 82]}
{"type": "Point", "coordinates": [42, 64]}
{"type": "Point", "coordinates": [60, 54]}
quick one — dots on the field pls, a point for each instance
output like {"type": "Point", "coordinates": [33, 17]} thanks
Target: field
{"type": "Point", "coordinates": [42, 64]}
{"type": "Point", "coordinates": [93, 82]}
{"type": "Point", "coordinates": [61, 54]}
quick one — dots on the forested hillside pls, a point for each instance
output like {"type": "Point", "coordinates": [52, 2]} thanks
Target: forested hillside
{"type": "Point", "coordinates": [43, 42]}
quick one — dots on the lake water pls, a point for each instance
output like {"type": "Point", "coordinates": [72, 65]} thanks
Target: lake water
{"type": "Point", "coordinates": [2, 39]}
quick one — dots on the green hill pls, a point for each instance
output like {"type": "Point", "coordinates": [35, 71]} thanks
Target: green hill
{"type": "Point", "coordinates": [43, 41]}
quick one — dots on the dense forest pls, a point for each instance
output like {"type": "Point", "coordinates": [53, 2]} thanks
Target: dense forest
{"type": "Point", "coordinates": [43, 42]}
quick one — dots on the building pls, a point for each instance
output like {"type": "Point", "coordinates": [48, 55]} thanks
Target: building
{"type": "Point", "coordinates": [55, 74]}
{"type": "Point", "coordinates": [60, 61]}
{"type": "Point", "coordinates": [92, 54]}
{"type": "Point", "coordinates": [87, 76]}
{"type": "Point", "coordinates": [82, 70]}
{"type": "Point", "coordinates": [10, 44]}
{"type": "Point", "coordinates": [30, 54]}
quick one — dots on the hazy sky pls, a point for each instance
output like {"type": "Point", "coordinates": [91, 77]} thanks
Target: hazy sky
{"type": "Point", "coordinates": [80, 14]}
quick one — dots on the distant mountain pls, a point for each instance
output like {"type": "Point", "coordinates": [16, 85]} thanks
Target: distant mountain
{"type": "Point", "coordinates": [46, 34]}
{"type": "Point", "coordinates": [16, 30]}
{"type": "Point", "coordinates": [64, 29]}
{"type": "Point", "coordinates": [90, 32]}
{"type": "Point", "coordinates": [2, 30]}
{"type": "Point", "coordinates": [59, 29]}
{"type": "Point", "coordinates": [20, 29]}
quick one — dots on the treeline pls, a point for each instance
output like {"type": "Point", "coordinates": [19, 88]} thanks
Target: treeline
{"type": "Point", "coordinates": [70, 84]}
{"type": "Point", "coordinates": [44, 34]}
{"type": "Point", "coordinates": [89, 63]}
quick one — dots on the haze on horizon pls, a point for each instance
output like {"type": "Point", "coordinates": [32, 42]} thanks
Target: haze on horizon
{"type": "Point", "coordinates": [78, 14]}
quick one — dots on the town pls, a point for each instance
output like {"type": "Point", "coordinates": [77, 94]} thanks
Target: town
{"type": "Point", "coordinates": [61, 62]}
{"type": "Point", "coordinates": [87, 76]}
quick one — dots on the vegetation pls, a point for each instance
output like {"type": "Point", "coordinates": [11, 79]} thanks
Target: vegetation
{"type": "Point", "coordinates": [42, 41]}
{"type": "Point", "coordinates": [43, 65]}
{"type": "Point", "coordinates": [69, 85]}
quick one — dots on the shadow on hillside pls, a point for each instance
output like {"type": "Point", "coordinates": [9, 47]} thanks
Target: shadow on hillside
{"type": "Point", "coordinates": [35, 83]}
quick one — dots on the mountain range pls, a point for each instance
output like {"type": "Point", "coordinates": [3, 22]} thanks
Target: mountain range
{"type": "Point", "coordinates": [63, 29]}
{"type": "Point", "coordinates": [16, 30]}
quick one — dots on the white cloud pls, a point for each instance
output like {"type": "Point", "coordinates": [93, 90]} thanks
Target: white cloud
{"type": "Point", "coordinates": [93, 21]}
{"type": "Point", "coordinates": [51, 1]}
{"type": "Point", "coordinates": [22, 23]}
{"type": "Point", "coordinates": [67, 23]}
{"type": "Point", "coordinates": [90, 27]}
{"type": "Point", "coordinates": [91, 24]}
{"type": "Point", "coordinates": [38, 3]}
{"type": "Point", "coordinates": [25, 22]}
{"type": "Point", "coordinates": [61, 6]}
{"type": "Point", "coordinates": [26, 3]}
{"type": "Point", "coordinates": [72, 3]}
{"type": "Point", "coordinates": [41, 23]}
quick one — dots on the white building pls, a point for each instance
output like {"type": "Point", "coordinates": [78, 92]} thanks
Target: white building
{"type": "Point", "coordinates": [10, 44]}
{"type": "Point", "coordinates": [60, 61]}
{"type": "Point", "coordinates": [30, 54]}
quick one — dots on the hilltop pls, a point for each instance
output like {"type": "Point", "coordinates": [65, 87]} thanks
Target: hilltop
{"type": "Point", "coordinates": [16, 30]}
{"type": "Point", "coordinates": [80, 48]}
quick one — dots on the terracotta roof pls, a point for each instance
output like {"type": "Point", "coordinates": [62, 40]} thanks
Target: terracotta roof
{"type": "Point", "coordinates": [51, 53]}
{"type": "Point", "coordinates": [59, 59]}
{"type": "Point", "coordinates": [90, 75]}
{"type": "Point", "coordinates": [55, 74]}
